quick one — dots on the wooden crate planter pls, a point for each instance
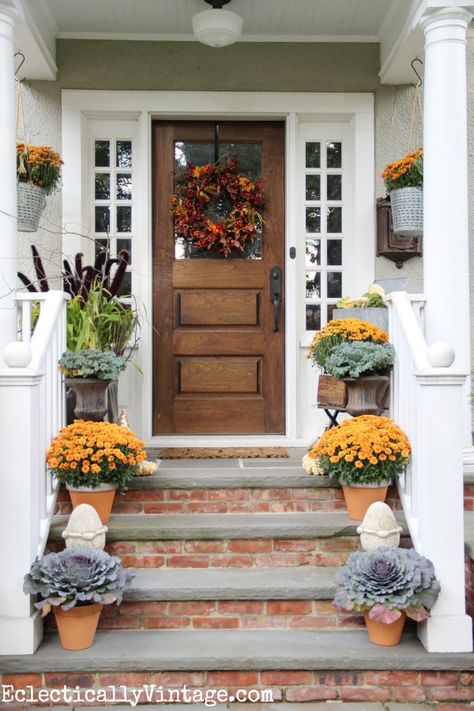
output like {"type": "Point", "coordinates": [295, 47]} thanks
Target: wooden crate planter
{"type": "Point", "coordinates": [332, 392]}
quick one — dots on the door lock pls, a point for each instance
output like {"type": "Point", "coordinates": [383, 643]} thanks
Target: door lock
{"type": "Point", "coordinates": [276, 296]}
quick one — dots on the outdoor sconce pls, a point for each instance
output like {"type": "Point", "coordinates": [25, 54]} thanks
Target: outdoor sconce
{"type": "Point", "coordinates": [394, 247]}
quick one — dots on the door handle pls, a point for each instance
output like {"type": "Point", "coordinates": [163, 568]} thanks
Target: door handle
{"type": "Point", "coordinates": [276, 296]}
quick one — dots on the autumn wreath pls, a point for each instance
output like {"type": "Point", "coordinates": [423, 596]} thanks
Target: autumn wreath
{"type": "Point", "coordinates": [202, 186]}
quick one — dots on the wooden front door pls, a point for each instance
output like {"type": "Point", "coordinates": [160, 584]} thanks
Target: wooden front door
{"type": "Point", "coordinates": [218, 355]}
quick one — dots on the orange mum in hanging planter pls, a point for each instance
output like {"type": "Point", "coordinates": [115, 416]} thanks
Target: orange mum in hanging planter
{"type": "Point", "coordinates": [200, 190]}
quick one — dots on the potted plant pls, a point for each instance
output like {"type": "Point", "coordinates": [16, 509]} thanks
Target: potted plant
{"type": "Point", "coordinates": [364, 453]}
{"type": "Point", "coordinates": [38, 170]}
{"type": "Point", "coordinates": [387, 585]}
{"type": "Point", "coordinates": [75, 584]}
{"type": "Point", "coordinates": [363, 366]}
{"type": "Point", "coordinates": [89, 372]}
{"type": "Point", "coordinates": [94, 459]}
{"type": "Point", "coordinates": [332, 392]}
{"type": "Point", "coordinates": [369, 307]}
{"type": "Point", "coordinates": [404, 182]}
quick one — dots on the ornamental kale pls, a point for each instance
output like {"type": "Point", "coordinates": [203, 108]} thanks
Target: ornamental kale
{"type": "Point", "coordinates": [386, 581]}
{"type": "Point", "coordinates": [356, 358]}
{"type": "Point", "coordinates": [76, 576]}
{"type": "Point", "coordinates": [92, 363]}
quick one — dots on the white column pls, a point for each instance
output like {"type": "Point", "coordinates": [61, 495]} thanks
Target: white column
{"type": "Point", "coordinates": [8, 266]}
{"type": "Point", "coordinates": [445, 186]}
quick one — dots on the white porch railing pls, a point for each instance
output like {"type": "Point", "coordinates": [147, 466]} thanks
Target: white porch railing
{"type": "Point", "coordinates": [427, 402]}
{"type": "Point", "coordinates": [32, 412]}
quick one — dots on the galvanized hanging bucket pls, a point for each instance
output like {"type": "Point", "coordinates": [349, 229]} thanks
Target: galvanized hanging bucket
{"type": "Point", "coordinates": [407, 211]}
{"type": "Point", "coordinates": [31, 200]}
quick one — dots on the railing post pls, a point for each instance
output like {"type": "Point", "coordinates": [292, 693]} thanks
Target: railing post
{"type": "Point", "coordinates": [439, 393]}
{"type": "Point", "coordinates": [20, 481]}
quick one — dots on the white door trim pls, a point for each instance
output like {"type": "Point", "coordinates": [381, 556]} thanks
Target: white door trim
{"type": "Point", "coordinates": [142, 107]}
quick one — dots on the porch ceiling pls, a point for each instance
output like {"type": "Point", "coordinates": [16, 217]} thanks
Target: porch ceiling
{"type": "Point", "coordinates": [392, 23]}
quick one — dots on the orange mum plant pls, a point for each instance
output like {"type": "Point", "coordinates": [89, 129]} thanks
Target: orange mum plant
{"type": "Point", "coordinates": [93, 453]}
{"type": "Point", "coordinates": [406, 172]}
{"type": "Point", "coordinates": [38, 165]}
{"type": "Point", "coordinates": [343, 329]}
{"type": "Point", "coordinates": [363, 450]}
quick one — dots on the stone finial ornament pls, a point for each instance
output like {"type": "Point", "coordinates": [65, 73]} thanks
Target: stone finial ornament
{"type": "Point", "coordinates": [123, 420]}
{"type": "Point", "coordinates": [379, 528]}
{"type": "Point", "coordinates": [85, 528]}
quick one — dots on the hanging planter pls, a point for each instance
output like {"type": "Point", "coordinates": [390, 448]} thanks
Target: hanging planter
{"type": "Point", "coordinates": [38, 170]}
{"type": "Point", "coordinates": [407, 211]}
{"type": "Point", "coordinates": [31, 201]}
{"type": "Point", "coordinates": [404, 182]}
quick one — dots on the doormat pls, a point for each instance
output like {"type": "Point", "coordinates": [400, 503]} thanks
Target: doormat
{"type": "Point", "coordinates": [223, 453]}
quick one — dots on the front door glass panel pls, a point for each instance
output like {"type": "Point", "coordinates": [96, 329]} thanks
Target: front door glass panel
{"type": "Point", "coordinates": [249, 158]}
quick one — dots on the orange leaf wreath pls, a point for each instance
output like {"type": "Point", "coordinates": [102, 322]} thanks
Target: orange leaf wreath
{"type": "Point", "coordinates": [195, 191]}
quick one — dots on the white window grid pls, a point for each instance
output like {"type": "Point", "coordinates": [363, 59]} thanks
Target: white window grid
{"type": "Point", "coordinates": [113, 238]}
{"type": "Point", "coordinates": [324, 301]}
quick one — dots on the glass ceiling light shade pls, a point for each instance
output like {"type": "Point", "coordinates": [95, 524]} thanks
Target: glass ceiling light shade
{"type": "Point", "coordinates": [217, 28]}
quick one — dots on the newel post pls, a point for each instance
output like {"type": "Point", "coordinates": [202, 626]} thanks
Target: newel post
{"type": "Point", "coordinates": [20, 624]}
{"type": "Point", "coordinates": [439, 398]}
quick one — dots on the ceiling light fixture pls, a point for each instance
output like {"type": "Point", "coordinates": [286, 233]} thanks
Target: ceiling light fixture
{"type": "Point", "coordinates": [217, 27]}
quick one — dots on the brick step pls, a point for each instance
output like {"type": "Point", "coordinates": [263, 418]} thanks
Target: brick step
{"type": "Point", "coordinates": [197, 527]}
{"type": "Point", "coordinates": [222, 541]}
{"type": "Point", "coordinates": [276, 490]}
{"type": "Point", "coordinates": [242, 598]}
{"type": "Point", "coordinates": [297, 666]}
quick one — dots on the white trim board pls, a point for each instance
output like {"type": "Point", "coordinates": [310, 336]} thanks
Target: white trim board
{"type": "Point", "coordinates": [357, 110]}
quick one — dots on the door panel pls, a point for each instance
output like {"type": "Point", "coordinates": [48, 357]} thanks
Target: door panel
{"type": "Point", "coordinates": [218, 363]}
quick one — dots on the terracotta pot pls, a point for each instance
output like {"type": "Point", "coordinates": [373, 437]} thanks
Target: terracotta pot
{"type": "Point", "coordinates": [359, 498]}
{"type": "Point", "coordinates": [365, 395]}
{"type": "Point", "coordinates": [91, 398]}
{"type": "Point", "coordinates": [101, 498]}
{"type": "Point", "coordinates": [383, 634]}
{"type": "Point", "coordinates": [77, 626]}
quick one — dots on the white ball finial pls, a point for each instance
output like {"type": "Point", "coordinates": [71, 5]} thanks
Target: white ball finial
{"type": "Point", "coordinates": [441, 355]}
{"type": "Point", "coordinates": [17, 354]}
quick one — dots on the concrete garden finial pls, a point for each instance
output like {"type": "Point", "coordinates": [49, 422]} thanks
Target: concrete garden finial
{"type": "Point", "coordinates": [379, 528]}
{"type": "Point", "coordinates": [85, 528]}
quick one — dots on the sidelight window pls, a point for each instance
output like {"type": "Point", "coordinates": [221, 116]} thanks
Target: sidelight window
{"type": "Point", "coordinates": [112, 198]}
{"type": "Point", "coordinates": [323, 220]}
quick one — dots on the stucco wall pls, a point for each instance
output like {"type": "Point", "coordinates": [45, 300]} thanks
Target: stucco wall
{"type": "Point", "coordinates": [172, 66]}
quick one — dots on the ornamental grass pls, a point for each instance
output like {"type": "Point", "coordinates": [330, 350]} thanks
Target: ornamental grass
{"type": "Point", "coordinates": [93, 453]}
{"type": "Point", "coordinates": [38, 165]}
{"type": "Point", "coordinates": [363, 450]}
{"type": "Point", "coordinates": [406, 172]}
{"type": "Point", "coordinates": [340, 330]}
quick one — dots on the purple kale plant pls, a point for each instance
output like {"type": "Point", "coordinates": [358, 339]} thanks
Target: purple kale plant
{"type": "Point", "coordinates": [76, 576]}
{"type": "Point", "coordinates": [385, 582]}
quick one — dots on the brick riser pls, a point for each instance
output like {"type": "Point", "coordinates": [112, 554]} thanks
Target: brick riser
{"type": "Point", "coordinates": [260, 553]}
{"type": "Point", "coordinates": [153, 501]}
{"type": "Point", "coordinates": [192, 501]}
{"type": "Point", "coordinates": [225, 614]}
{"type": "Point", "coordinates": [451, 690]}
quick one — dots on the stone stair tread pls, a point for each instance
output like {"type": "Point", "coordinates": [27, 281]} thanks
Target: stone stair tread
{"type": "Point", "coordinates": [128, 527]}
{"type": "Point", "coordinates": [262, 478]}
{"type": "Point", "coordinates": [298, 583]}
{"type": "Point", "coordinates": [240, 650]}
